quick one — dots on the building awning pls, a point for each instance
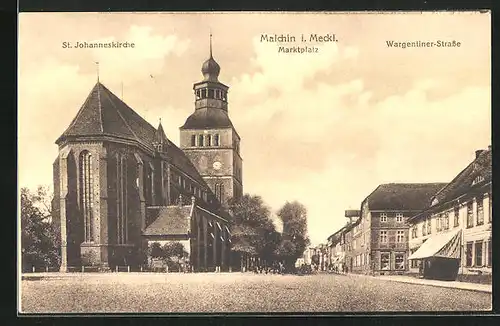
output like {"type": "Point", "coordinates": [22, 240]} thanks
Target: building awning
{"type": "Point", "coordinates": [446, 245]}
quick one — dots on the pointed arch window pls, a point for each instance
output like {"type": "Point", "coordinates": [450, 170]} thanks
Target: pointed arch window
{"type": "Point", "coordinates": [86, 195]}
{"type": "Point", "coordinates": [121, 199]}
{"type": "Point", "coordinates": [219, 191]}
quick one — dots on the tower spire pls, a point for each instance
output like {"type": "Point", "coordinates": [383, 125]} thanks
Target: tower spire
{"type": "Point", "coordinates": [97, 64]}
{"type": "Point", "coordinates": [210, 43]}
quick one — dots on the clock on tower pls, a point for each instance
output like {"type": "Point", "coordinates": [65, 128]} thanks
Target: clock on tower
{"type": "Point", "coordinates": [208, 136]}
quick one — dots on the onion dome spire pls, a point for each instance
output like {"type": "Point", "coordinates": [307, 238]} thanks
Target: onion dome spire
{"type": "Point", "coordinates": [210, 68]}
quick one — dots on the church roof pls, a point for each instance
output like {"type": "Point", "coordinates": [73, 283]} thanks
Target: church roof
{"type": "Point", "coordinates": [171, 220]}
{"type": "Point", "coordinates": [161, 138]}
{"type": "Point", "coordinates": [104, 114]}
{"type": "Point", "coordinates": [403, 196]}
{"type": "Point", "coordinates": [208, 118]}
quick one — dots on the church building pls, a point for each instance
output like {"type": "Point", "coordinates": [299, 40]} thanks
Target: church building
{"type": "Point", "coordinates": [120, 183]}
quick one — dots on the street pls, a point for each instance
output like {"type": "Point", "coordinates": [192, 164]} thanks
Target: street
{"type": "Point", "coordinates": [237, 292]}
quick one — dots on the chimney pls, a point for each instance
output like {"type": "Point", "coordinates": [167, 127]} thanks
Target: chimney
{"type": "Point", "coordinates": [478, 152]}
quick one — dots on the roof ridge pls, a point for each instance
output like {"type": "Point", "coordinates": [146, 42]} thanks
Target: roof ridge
{"type": "Point", "coordinates": [121, 116]}
{"type": "Point", "coordinates": [99, 105]}
{"type": "Point", "coordinates": [75, 119]}
{"type": "Point", "coordinates": [458, 176]}
{"type": "Point", "coordinates": [130, 109]}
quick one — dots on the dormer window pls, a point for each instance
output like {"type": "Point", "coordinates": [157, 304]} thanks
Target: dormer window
{"type": "Point", "coordinates": [434, 202]}
{"type": "Point", "coordinates": [478, 179]}
{"type": "Point", "coordinates": [200, 140]}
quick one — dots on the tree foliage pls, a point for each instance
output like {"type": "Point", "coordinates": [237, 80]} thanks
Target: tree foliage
{"type": "Point", "coordinates": [252, 230]}
{"type": "Point", "coordinates": [294, 239]}
{"type": "Point", "coordinates": [174, 250]}
{"type": "Point", "coordinates": [155, 250]}
{"type": "Point", "coordinates": [40, 236]}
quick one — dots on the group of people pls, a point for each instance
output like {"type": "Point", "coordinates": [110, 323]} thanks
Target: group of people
{"type": "Point", "coordinates": [339, 269]}
{"type": "Point", "coordinates": [276, 268]}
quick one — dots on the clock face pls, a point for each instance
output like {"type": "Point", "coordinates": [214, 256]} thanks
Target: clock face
{"type": "Point", "coordinates": [217, 165]}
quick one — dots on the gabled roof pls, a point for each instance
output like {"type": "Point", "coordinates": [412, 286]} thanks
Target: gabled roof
{"type": "Point", "coordinates": [171, 220]}
{"type": "Point", "coordinates": [463, 182]}
{"type": "Point", "coordinates": [104, 114]}
{"type": "Point", "coordinates": [161, 138]}
{"type": "Point", "coordinates": [208, 118]}
{"type": "Point", "coordinates": [335, 238]}
{"type": "Point", "coordinates": [403, 196]}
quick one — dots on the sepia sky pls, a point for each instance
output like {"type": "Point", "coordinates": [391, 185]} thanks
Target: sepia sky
{"type": "Point", "coordinates": [322, 128]}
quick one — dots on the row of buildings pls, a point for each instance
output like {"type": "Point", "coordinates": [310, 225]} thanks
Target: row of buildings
{"type": "Point", "coordinates": [400, 226]}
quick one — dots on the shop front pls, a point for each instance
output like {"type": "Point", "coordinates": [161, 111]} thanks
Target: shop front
{"type": "Point", "coordinates": [439, 256]}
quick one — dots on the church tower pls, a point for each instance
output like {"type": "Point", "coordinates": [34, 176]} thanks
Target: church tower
{"type": "Point", "coordinates": [209, 138]}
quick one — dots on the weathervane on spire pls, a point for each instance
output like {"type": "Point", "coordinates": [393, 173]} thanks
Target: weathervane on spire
{"type": "Point", "coordinates": [97, 63]}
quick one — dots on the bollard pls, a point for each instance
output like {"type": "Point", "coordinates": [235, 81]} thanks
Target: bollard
{"type": "Point", "coordinates": [46, 269]}
{"type": "Point", "coordinates": [33, 269]}
{"type": "Point", "coordinates": [116, 268]}
{"type": "Point", "coordinates": [230, 269]}
{"type": "Point", "coordinates": [83, 268]}
{"type": "Point", "coordinates": [141, 268]}
{"type": "Point", "coordinates": [167, 268]}
{"type": "Point", "coordinates": [128, 268]}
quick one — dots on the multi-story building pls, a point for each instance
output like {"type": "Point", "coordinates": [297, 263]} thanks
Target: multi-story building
{"type": "Point", "coordinates": [348, 244]}
{"type": "Point", "coordinates": [463, 209]}
{"type": "Point", "coordinates": [307, 256]}
{"type": "Point", "coordinates": [335, 249]}
{"type": "Point", "coordinates": [378, 241]}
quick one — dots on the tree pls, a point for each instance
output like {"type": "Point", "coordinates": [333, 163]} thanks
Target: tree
{"type": "Point", "coordinates": [252, 231]}
{"type": "Point", "coordinates": [40, 236]}
{"type": "Point", "coordinates": [174, 249]}
{"type": "Point", "coordinates": [294, 239]}
{"type": "Point", "coordinates": [156, 251]}
{"type": "Point", "coordinates": [174, 255]}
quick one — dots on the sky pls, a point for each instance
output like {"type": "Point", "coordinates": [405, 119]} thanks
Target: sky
{"type": "Point", "coordinates": [322, 128]}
